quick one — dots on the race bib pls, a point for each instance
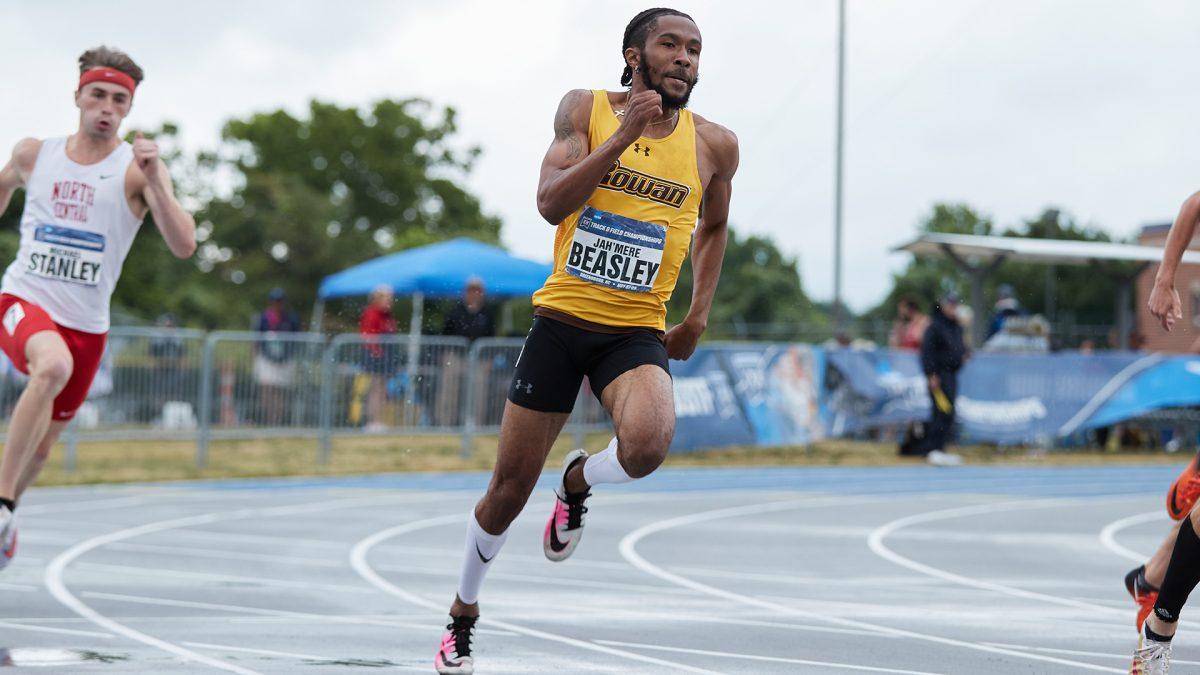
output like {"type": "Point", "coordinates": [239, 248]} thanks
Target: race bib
{"type": "Point", "coordinates": [64, 254]}
{"type": "Point", "coordinates": [615, 251]}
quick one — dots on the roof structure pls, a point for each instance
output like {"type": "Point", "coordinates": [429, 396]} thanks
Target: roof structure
{"type": "Point", "coordinates": [979, 256]}
{"type": "Point", "coordinates": [1048, 251]}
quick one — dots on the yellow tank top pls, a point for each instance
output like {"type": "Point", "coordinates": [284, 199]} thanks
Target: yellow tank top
{"type": "Point", "coordinates": [617, 258]}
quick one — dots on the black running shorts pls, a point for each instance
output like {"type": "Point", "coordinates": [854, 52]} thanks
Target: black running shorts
{"type": "Point", "coordinates": [557, 356]}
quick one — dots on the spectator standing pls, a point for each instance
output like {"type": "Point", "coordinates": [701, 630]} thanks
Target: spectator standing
{"type": "Point", "coordinates": [470, 318]}
{"type": "Point", "coordinates": [166, 351]}
{"type": "Point", "coordinates": [909, 327]}
{"type": "Point", "coordinates": [1006, 307]}
{"type": "Point", "coordinates": [943, 353]}
{"type": "Point", "coordinates": [274, 367]}
{"type": "Point", "coordinates": [377, 321]}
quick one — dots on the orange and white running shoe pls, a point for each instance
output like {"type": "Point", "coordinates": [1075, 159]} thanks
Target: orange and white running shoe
{"type": "Point", "coordinates": [1142, 593]}
{"type": "Point", "coordinates": [1151, 657]}
{"type": "Point", "coordinates": [1184, 491]}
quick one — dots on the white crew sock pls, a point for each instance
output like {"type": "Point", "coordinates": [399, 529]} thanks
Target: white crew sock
{"type": "Point", "coordinates": [603, 467]}
{"type": "Point", "coordinates": [480, 545]}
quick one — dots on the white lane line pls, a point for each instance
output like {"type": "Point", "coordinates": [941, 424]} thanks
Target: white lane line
{"type": "Point", "coordinates": [54, 583]}
{"type": "Point", "coordinates": [534, 579]}
{"type": "Point", "coordinates": [1080, 652]}
{"type": "Point", "coordinates": [761, 624]}
{"type": "Point", "coordinates": [224, 554]}
{"type": "Point", "coordinates": [317, 562]}
{"type": "Point", "coordinates": [624, 567]}
{"type": "Point", "coordinates": [306, 657]}
{"type": "Point", "coordinates": [876, 543]}
{"type": "Point", "coordinates": [1108, 535]}
{"type": "Point", "coordinates": [628, 548]}
{"type": "Point", "coordinates": [87, 505]}
{"type": "Point", "coordinates": [759, 657]}
{"type": "Point", "coordinates": [48, 629]}
{"type": "Point", "coordinates": [358, 560]}
{"type": "Point", "coordinates": [57, 567]}
{"type": "Point", "coordinates": [20, 588]}
{"type": "Point", "coordinates": [366, 620]}
{"type": "Point", "coordinates": [222, 578]}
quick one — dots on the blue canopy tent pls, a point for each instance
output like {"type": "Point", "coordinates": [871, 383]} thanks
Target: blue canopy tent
{"type": "Point", "coordinates": [438, 270]}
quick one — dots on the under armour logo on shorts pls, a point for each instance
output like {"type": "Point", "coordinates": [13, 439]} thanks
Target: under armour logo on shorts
{"type": "Point", "coordinates": [528, 386]}
{"type": "Point", "coordinates": [13, 317]}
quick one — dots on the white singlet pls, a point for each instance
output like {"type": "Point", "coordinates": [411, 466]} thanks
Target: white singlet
{"type": "Point", "coordinates": [76, 230]}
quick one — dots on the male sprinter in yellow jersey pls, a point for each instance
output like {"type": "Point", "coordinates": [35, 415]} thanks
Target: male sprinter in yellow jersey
{"type": "Point", "coordinates": [629, 178]}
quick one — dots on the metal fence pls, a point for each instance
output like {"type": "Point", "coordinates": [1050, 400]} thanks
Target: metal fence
{"type": "Point", "coordinates": [493, 361]}
{"type": "Point", "coordinates": [178, 384]}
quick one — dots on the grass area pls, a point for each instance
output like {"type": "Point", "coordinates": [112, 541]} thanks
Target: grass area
{"type": "Point", "coordinates": [132, 461]}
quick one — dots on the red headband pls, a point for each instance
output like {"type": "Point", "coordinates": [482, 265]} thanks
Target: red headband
{"type": "Point", "coordinates": [107, 75]}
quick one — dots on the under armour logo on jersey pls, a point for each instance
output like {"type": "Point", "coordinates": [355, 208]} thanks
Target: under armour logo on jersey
{"type": "Point", "coordinates": [13, 317]}
{"type": "Point", "coordinates": [527, 386]}
{"type": "Point", "coordinates": [637, 147]}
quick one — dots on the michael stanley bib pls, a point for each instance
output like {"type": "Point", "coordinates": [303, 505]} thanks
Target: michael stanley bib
{"type": "Point", "coordinates": [617, 258]}
{"type": "Point", "coordinates": [76, 230]}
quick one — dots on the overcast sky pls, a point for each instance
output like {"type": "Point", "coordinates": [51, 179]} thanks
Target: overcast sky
{"type": "Point", "coordinates": [1090, 106]}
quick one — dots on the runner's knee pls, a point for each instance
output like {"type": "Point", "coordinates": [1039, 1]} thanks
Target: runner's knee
{"type": "Point", "coordinates": [641, 453]}
{"type": "Point", "coordinates": [506, 496]}
{"type": "Point", "coordinates": [53, 372]}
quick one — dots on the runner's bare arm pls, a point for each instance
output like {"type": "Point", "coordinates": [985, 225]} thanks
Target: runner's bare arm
{"type": "Point", "coordinates": [1164, 302]}
{"type": "Point", "coordinates": [570, 173]}
{"type": "Point", "coordinates": [708, 245]}
{"type": "Point", "coordinates": [177, 226]}
{"type": "Point", "coordinates": [17, 170]}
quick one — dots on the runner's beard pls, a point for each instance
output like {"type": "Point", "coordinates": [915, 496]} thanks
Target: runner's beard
{"type": "Point", "coordinates": [669, 100]}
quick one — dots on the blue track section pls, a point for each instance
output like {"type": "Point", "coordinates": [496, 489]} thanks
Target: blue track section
{"type": "Point", "coordinates": [1083, 481]}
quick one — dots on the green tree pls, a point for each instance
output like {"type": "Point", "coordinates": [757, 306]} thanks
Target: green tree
{"type": "Point", "coordinates": [306, 197]}
{"type": "Point", "coordinates": [759, 285]}
{"type": "Point", "coordinates": [925, 278]}
{"type": "Point", "coordinates": [10, 227]}
{"type": "Point", "coordinates": [1078, 294]}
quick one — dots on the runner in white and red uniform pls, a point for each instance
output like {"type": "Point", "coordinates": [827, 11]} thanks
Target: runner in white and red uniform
{"type": "Point", "coordinates": [85, 198]}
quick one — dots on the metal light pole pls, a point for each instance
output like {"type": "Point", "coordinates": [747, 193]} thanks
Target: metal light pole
{"type": "Point", "coordinates": [838, 317]}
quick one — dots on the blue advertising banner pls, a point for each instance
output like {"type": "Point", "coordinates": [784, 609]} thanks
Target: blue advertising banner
{"type": "Point", "coordinates": [707, 413]}
{"type": "Point", "coordinates": [748, 395]}
{"type": "Point", "coordinates": [779, 394]}
{"type": "Point", "coordinates": [1150, 383]}
{"type": "Point", "coordinates": [1010, 398]}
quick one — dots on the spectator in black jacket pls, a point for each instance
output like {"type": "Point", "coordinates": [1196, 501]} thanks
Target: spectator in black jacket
{"type": "Point", "coordinates": [470, 317]}
{"type": "Point", "coordinates": [943, 352]}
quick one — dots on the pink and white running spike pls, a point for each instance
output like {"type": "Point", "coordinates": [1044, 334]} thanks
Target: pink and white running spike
{"type": "Point", "coordinates": [454, 654]}
{"type": "Point", "coordinates": [565, 527]}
